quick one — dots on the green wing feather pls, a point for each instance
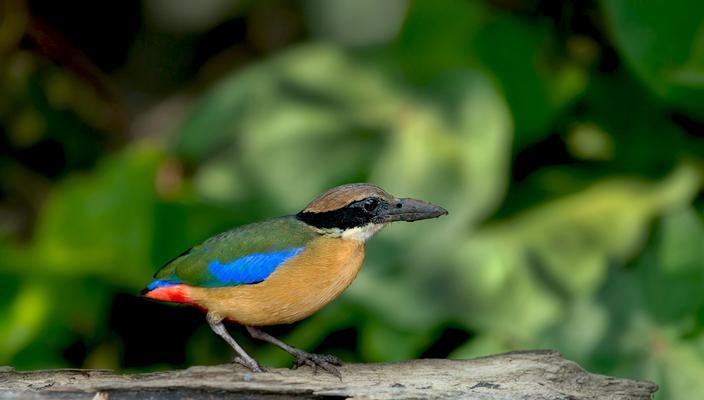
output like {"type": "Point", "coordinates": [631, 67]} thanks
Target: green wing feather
{"type": "Point", "coordinates": [273, 235]}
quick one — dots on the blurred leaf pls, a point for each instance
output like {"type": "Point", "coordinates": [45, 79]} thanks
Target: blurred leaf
{"type": "Point", "coordinates": [460, 132]}
{"type": "Point", "coordinates": [356, 23]}
{"type": "Point", "coordinates": [186, 16]}
{"type": "Point", "coordinates": [580, 331]}
{"type": "Point", "coordinates": [681, 368]}
{"type": "Point", "coordinates": [602, 223]}
{"type": "Point", "coordinates": [95, 231]}
{"type": "Point", "coordinates": [206, 128]}
{"type": "Point", "coordinates": [518, 273]}
{"type": "Point", "coordinates": [637, 347]}
{"type": "Point", "coordinates": [635, 126]}
{"type": "Point", "coordinates": [101, 223]}
{"type": "Point", "coordinates": [447, 154]}
{"type": "Point", "coordinates": [294, 113]}
{"type": "Point", "coordinates": [672, 280]}
{"type": "Point", "coordinates": [423, 52]}
{"type": "Point", "coordinates": [538, 83]}
{"type": "Point", "coordinates": [23, 320]}
{"type": "Point", "coordinates": [650, 309]}
{"type": "Point", "coordinates": [666, 53]}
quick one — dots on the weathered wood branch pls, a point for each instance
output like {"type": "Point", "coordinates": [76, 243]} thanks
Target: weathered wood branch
{"type": "Point", "coordinates": [518, 375]}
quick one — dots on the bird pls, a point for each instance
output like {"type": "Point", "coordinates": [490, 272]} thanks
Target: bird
{"type": "Point", "coordinates": [284, 269]}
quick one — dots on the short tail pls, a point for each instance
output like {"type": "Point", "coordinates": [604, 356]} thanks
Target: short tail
{"type": "Point", "coordinates": [178, 293]}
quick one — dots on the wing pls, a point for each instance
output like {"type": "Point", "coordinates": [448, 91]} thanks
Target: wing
{"type": "Point", "coordinates": [244, 255]}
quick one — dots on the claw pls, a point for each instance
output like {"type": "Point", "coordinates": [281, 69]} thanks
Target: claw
{"type": "Point", "coordinates": [315, 361]}
{"type": "Point", "coordinates": [252, 366]}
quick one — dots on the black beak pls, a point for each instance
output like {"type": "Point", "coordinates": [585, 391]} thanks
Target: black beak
{"type": "Point", "coordinates": [410, 210]}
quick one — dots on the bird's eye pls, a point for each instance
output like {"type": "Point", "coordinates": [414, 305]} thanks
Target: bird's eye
{"type": "Point", "coordinates": [370, 204]}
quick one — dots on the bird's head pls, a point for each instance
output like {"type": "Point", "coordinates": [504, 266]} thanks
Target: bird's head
{"type": "Point", "coordinates": [359, 210]}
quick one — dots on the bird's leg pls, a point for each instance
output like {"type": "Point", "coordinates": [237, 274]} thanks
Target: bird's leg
{"type": "Point", "coordinates": [215, 322]}
{"type": "Point", "coordinates": [324, 361]}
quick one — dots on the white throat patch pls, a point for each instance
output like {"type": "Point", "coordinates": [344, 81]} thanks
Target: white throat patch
{"type": "Point", "coordinates": [361, 233]}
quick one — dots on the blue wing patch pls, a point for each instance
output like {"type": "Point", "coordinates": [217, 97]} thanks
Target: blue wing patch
{"type": "Point", "coordinates": [249, 269]}
{"type": "Point", "coordinates": [161, 283]}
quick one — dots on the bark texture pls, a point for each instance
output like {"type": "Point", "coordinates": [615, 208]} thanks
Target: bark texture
{"type": "Point", "coordinates": [518, 375]}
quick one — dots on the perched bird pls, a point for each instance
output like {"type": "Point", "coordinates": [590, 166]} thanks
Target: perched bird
{"type": "Point", "coordinates": [284, 269]}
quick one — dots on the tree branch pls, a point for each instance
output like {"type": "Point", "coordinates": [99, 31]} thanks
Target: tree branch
{"type": "Point", "coordinates": [518, 375]}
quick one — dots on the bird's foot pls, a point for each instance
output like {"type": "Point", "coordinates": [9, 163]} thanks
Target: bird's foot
{"type": "Point", "coordinates": [250, 364]}
{"type": "Point", "coordinates": [315, 361]}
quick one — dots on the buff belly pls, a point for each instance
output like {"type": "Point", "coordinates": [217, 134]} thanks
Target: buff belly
{"type": "Point", "coordinates": [295, 290]}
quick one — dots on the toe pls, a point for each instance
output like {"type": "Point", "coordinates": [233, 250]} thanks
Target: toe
{"type": "Point", "coordinates": [316, 361]}
{"type": "Point", "coordinates": [331, 359]}
{"type": "Point", "coordinates": [331, 369]}
{"type": "Point", "coordinates": [252, 366]}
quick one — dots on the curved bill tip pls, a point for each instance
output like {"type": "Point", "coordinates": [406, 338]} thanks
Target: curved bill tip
{"type": "Point", "coordinates": [411, 210]}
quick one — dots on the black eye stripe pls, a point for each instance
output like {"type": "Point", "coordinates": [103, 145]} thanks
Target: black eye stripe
{"type": "Point", "coordinates": [355, 214]}
{"type": "Point", "coordinates": [344, 218]}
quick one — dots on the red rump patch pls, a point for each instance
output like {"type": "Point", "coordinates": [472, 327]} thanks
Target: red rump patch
{"type": "Point", "coordinates": [174, 294]}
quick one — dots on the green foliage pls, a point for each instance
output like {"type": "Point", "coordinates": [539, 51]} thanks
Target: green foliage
{"type": "Point", "coordinates": [666, 53]}
{"type": "Point", "coordinates": [593, 246]}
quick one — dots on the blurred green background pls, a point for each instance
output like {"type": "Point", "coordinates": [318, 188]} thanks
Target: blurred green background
{"type": "Point", "coordinates": [565, 138]}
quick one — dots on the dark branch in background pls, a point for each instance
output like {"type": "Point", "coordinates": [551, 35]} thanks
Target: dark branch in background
{"type": "Point", "coordinates": [53, 45]}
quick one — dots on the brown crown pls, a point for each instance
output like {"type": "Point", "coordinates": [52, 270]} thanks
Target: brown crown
{"type": "Point", "coordinates": [340, 196]}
